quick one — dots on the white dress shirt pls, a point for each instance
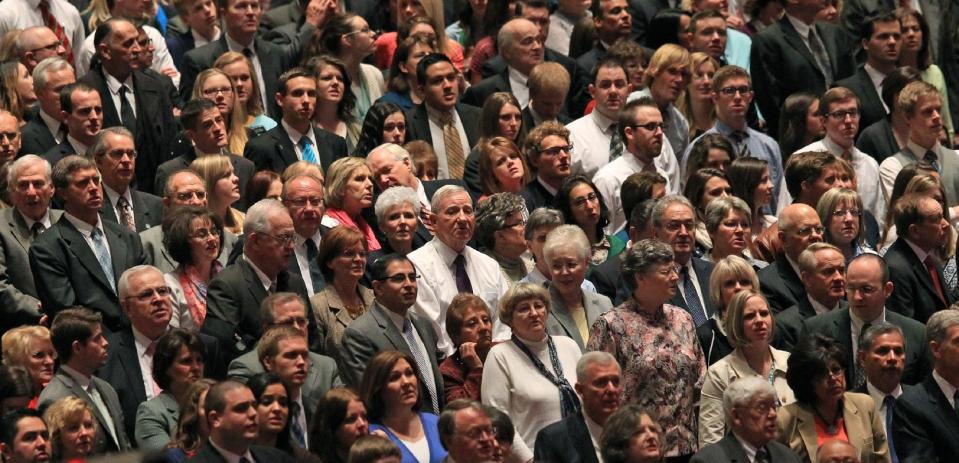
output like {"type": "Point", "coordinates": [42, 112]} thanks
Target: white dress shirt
{"type": "Point", "coordinates": [819, 307]}
{"type": "Point", "coordinates": [142, 345]}
{"type": "Point", "coordinates": [22, 14]}
{"type": "Point", "coordinates": [434, 264]}
{"type": "Point", "coordinates": [295, 137]}
{"type": "Point", "coordinates": [45, 220]}
{"type": "Point", "coordinates": [77, 145]}
{"type": "Point", "coordinates": [879, 397]}
{"type": "Point", "coordinates": [199, 40]}
{"type": "Point", "coordinates": [867, 177]}
{"type": "Point", "coordinates": [518, 86]}
{"type": "Point", "coordinates": [748, 449]}
{"type": "Point", "coordinates": [301, 260]}
{"type": "Point", "coordinates": [52, 124]}
{"type": "Point", "coordinates": [113, 197]}
{"type": "Point", "coordinates": [891, 166]}
{"type": "Point", "coordinates": [162, 59]}
{"type": "Point", "coordinates": [609, 179]}
{"type": "Point", "coordinates": [439, 143]}
{"type": "Point", "coordinates": [876, 78]}
{"type": "Point", "coordinates": [113, 86]}
{"type": "Point", "coordinates": [947, 389]}
{"type": "Point", "coordinates": [560, 31]}
{"type": "Point", "coordinates": [86, 230]}
{"type": "Point", "coordinates": [590, 136]}
{"type": "Point", "coordinates": [264, 279]}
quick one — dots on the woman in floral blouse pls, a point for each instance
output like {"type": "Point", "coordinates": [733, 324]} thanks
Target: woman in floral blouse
{"type": "Point", "coordinates": [656, 345]}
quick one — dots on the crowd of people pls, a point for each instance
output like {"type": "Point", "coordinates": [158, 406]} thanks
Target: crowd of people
{"type": "Point", "coordinates": [424, 231]}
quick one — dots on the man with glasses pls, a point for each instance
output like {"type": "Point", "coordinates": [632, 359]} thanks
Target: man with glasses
{"type": "Point", "coordinates": [36, 44]}
{"type": "Point", "coordinates": [799, 226]}
{"type": "Point", "coordinates": [822, 270]}
{"type": "Point", "coordinates": [46, 128]}
{"type": "Point", "coordinates": [235, 294]}
{"type": "Point", "coordinates": [467, 432]}
{"type": "Point", "coordinates": [674, 222]}
{"type": "Point", "coordinates": [549, 152]}
{"type": "Point", "coordinates": [647, 149]}
{"type": "Point", "coordinates": [116, 158]}
{"type": "Point", "coordinates": [78, 260]}
{"type": "Point", "coordinates": [82, 113]}
{"type": "Point", "coordinates": [391, 325]}
{"type": "Point", "coordinates": [880, 36]}
{"type": "Point", "coordinates": [303, 198]}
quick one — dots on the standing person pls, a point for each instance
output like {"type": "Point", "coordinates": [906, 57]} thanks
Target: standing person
{"type": "Point", "coordinates": [881, 38]}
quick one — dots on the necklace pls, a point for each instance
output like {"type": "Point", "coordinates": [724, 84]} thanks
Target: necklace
{"type": "Point", "coordinates": [832, 428]}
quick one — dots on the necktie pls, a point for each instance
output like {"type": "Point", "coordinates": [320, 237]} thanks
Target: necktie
{"type": "Point", "coordinates": [247, 52]}
{"type": "Point", "coordinates": [889, 401]}
{"type": "Point", "coordinates": [739, 138]}
{"type": "Point", "coordinates": [315, 275]}
{"type": "Point", "coordinates": [695, 308]}
{"type": "Point", "coordinates": [934, 276]}
{"type": "Point", "coordinates": [306, 147]}
{"type": "Point", "coordinates": [35, 231]}
{"type": "Point", "coordinates": [104, 411]}
{"type": "Point", "coordinates": [127, 118]}
{"type": "Point", "coordinates": [296, 427]}
{"type": "Point", "coordinates": [51, 22]}
{"type": "Point", "coordinates": [819, 53]}
{"type": "Point", "coordinates": [860, 373]}
{"type": "Point", "coordinates": [762, 455]}
{"type": "Point", "coordinates": [423, 365]}
{"type": "Point", "coordinates": [151, 349]}
{"type": "Point", "coordinates": [931, 158]}
{"type": "Point", "coordinates": [454, 147]}
{"type": "Point", "coordinates": [62, 133]}
{"type": "Point", "coordinates": [103, 256]}
{"type": "Point", "coordinates": [126, 213]}
{"type": "Point", "coordinates": [615, 143]}
{"type": "Point", "coordinates": [463, 284]}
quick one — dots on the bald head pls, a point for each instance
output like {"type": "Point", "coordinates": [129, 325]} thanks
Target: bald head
{"type": "Point", "coordinates": [519, 43]}
{"type": "Point", "coordinates": [184, 188]}
{"type": "Point", "coordinates": [837, 451]}
{"type": "Point", "coordinates": [799, 226]}
{"type": "Point", "coordinates": [36, 44]}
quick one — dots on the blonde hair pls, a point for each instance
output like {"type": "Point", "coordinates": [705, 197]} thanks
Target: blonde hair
{"type": "Point", "coordinates": [212, 169]}
{"type": "Point", "coordinates": [62, 414]}
{"type": "Point", "coordinates": [236, 126]}
{"type": "Point", "coordinates": [16, 343]}
{"type": "Point", "coordinates": [254, 105]}
{"type": "Point", "coordinates": [299, 168]}
{"type": "Point", "coordinates": [664, 57]}
{"type": "Point", "coordinates": [338, 175]}
{"type": "Point", "coordinates": [729, 267]}
{"type": "Point", "coordinates": [733, 321]}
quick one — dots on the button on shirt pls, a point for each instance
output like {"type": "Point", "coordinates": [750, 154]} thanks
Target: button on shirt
{"type": "Point", "coordinates": [867, 177]}
{"type": "Point", "coordinates": [879, 397]}
{"type": "Point", "coordinates": [23, 14]}
{"type": "Point", "coordinates": [302, 262]}
{"type": "Point", "coordinates": [142, 344]}
{"type": "Point", "coordinates": [439, 143]}
{"type": "Point", "coordinates": [610, 178]}
{"type": "Point", "coordinates": [86, 230]}
{"type": "Point", "coordinates": [233, 45]}
{"type": "Point", "coordinates": [590, 136]}
{"type": "Point", "coordinates": [113, 85]}
{"type": "Point", "coordinates": [295, 137]}
{"type": "Point", "coordinates": [518, 85]}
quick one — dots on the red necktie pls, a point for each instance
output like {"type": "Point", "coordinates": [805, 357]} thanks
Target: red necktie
{"type": "Point", "coordinates": [50, 21]}
{"type": "Point", "coordinates": [934, 275]}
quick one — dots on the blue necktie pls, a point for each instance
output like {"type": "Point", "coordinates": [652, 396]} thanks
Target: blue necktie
{"type": "Point", "coordinates": [692, 298]}
{"type": "Point", "coordinates": [931, 158]}
{"type": "Point", "coordinates": [296, 429]}
{"type": "Point", "coordinates": [103, 256]}
{"type": "Point", "coordinates": [889, 401]}
{"type": "Point", "coordinates": [306, 146]}
{"type": "Point", "coordinates": [423, 365]}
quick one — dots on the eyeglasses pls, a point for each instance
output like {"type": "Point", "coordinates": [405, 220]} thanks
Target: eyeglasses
{"type": "Point", "coordinates": [401, 277]}
{"type": "Point", "coordinates": [554, 151]}
{"type": "Point", "coordinates": [521, 223]}
{"type": "Point", "coordinates": [676, 225]}
{"type": "Point", "coordinates": [293, 321]}
{"type": "Point", "coordinates": [147, 294]}
{"type": "Point", "coordinates": [842, 213]}
{"type": "Point", "coordinates": [650, 126]}
{"type": "Point", "coordinates": [668, 270]}
{"type": "Point", "coordinates": [480, 431]}
{"type": "Point", "coordinates": [581, 201]}
{"type": "Point", "coordinates": [841, 115]}
{"type": "Point", "coordinates": [834, 371]}
{"type": "Point", "coordinates": [205, 233]}
{"type": "Point", "coordinates": [806, 231]}
{"type": "Point", "coordinates": [52, 47]}
{"type": "Point", "coordinates": [284, 240]}
{"type": "Point", "coordinates": [188, 195]}
{"type": "Point", "coordinates": [732, 91]}
{"type": "Point", "coordinates": [365, 30]}
{"type": "Point", "coordinates": [118, 155]}
{"type": "Point", "coordinates": [211, 92]}
{"type": "Point", "coordinates": [302, 202]}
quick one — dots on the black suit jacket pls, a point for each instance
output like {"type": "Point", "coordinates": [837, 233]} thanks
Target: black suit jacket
{"type": "Point", "coordinates": [609, 281]}
{"type": "Point", "coordinates": [275, 151]}
{"type": "Point", "coordinates": [576, 97]}
{"type": "Point", "coordinates": [703, 269]}
{"type": "Point", "coordinates": [838, 325]}
{"type": "Point", "coordinates": [233, 305]}
{"type": "Point", "coordinates": [536, 196]}
{"type": "Point", "coordinates": [242, 167]}
{"type": "Point", "coordinates": [871, 109]}
{"type": "Point", "coordinates": [178, 44]}
{"type": "Point", "coordinates": [878, 141]}
{"type": "Point", "coordinates": [925, 427]}
{"type": "Point", "coordinates": [565, 441]}
{"type": "Point", "coordinates": [68, 274]}
{"type": "Point", "coordinates": [35, 137]}
{"type": "Point", "coordinates": [147, 210]}
{"type": "Point", "coordinates": [914, 294]}
{"type": "Point", "coordinates": [789, 324]}
{"type": "Point", "coordinates": [477, 94]}
{"type": "Point", "coordinates": [781, 285]}
{"type": "Point", "coordinates": [155, 127]}
{"type": "Point", "coordinates": [782, 64]}
{"type": "Point", "coordinates": [728, 449]}
{"type": "Point", "coordinates": [418, 125]}
{"type": "Point", "coordinates": [58, 152]}
{"type": "Point", "coordinates": [587, 61]}
{"type": "Point", "coordinates": [208, 454]}
{"type": "Point", "coordinates": [715, 344]}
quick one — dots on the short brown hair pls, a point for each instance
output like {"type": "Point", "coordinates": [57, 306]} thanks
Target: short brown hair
{"type": "Point", "coordinates": [535, 138]}
{"type": "Point", "coordinates": [911, 94]}
{"type": "Point", "coordinates": [548, 78]}
{"type": "Point", "coordinates": [269, 345]}
{"type": "Point", "coordinates": [728, 72]}
{"type": "Point", "coordinates": [487, 148]}
{"type": "Point", "coordinates": [73, 324]}
{"type": "Point", "coordinates": [805, 166]}
{"type": "Point", "coordinates": [333, 244]}
{"type": "Point", "coordinates": [377, 375]}
{"type": "Point", "coordinates": [835, 95]}
{"type": "Point", "coordinates": [906, 211]}
{"type": "Point", "coordinates": [457, 309]}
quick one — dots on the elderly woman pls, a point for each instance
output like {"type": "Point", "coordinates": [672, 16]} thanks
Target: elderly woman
{"type": "Point", "coordinates": [349, 190]}
{"type": "Point", "coordinates": [749, 326]}
{"type": "Point", "coordinates": [470, 327]}
{"type": "Point", "coordinates": [29, 347]}
{"type": "Point", "coordinates": [583, 206]}
{"type": "Point", "coordinates": [72, 427]}
{"type": "Point", "coordinates": [177, 364]}
{"type": "Point", "coordinates": [192, 430]}
{"type": "Point", "coordinates": [223, 189]}
{"type": "Point", "coordinates": [397, 210]}
{"type": "Point", "coordinates": [531, 376]}
{"type": "Point", "coordinates": [632, 435]}
{"type": "Point", "coordinates": [574, 309]}
{"type": "Point", "coordinates": [500, 232]}
{"type": "Point", "coordinates": [840, 211]}
{"type": "Point", "coordinates": [656, 345]}
{"type": "Point", "coordinates": [823, 409]}
{"type": "Point", "coordinates": [731, 275]}
{"type": "Point", "coordinates": [502, 166]}
{"type": "Point", "coordinates": [540, 222]}
{"type": "Point", "coordinates": [728, 221]}
{"type": "Point", "coordinates": [192, 236]}
{"type": "Point", "coordinates": [339, 421]}
{"type": "Point", "coordinates": [342, 261]}
{"type": "Point", "coordinates": [247, 90]}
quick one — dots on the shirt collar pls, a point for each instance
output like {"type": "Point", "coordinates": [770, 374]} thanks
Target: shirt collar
{"type": "Point", "coordinates": [295, 135]}
{"type": "Point", "coordinates": [747, 447]}
{"type": "Point", "coordinates": [49, 121]}
{"type": "Point", "coordinates": [874, 75]}
{"type": "Point", "coordinates": [229, 456]}
{"type": "Point", "coordinates": [548, 188]}
{"type": "Point", "coordinates": [200, 40]}
{"type": "Point", "coordinates": [446, 253]}
{"type": "Point", "coordinates": [819, 308]}
{"type": "Point", "coordinates": [83, 380]}
{"type": "Point", "coordinates": [726, 130]}
{"type": "Point", "coordinates": [45, 220]}
{"type": "Point", "coordinates": [916, 249]}
{"type": "Point", "coordinates": [301, 240]}
{"type": "Point", "coordinates": [947, 389]}
{"type": "Point", "coordinates": [114, 196]}
{"type": "Point", "coordinates": [397, 319]}
{"type": "Point", "coordinates": [84, 228]}
{"type": "Point", "coordinates": [233, 45]}
{"type": "Point", "coordinates": [801, 27]}
{"type": "Point", "coordinates": [78, 146]}
{"type": "Point", "coordinates": [835, 149]}
{"type": "Point", "coordinates": [141, 341]}
{"type": "Point", "coordinates": [113, 84]}
{"type": "Point", "coordinates": [793, 264]}
{"type": "Point", "coordinates": [436, 115]}
{"type": "Point", "coordinates": [919, 152]}
{"type": "Point", "coordinates": [858, 322]}
{"type": "Point", "coordinates": [264, 279]}
{"type": "Point", "coordinates": [516, 76]}
{"type": "Point", "coordinates": [878, 396]}
{"type": "Point", "coordinates": [602, 121]}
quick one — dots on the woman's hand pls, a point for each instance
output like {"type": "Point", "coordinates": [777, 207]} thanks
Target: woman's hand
{"type": "Point", "coordinates": [469, 356]}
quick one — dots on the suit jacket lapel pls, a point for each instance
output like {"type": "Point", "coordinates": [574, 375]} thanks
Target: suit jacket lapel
{"type": "Point", "coordinates": [807, 428]}
{"type": "Point", "coordinates": [110, 115]}
{"type": "Point", "coordinates": [78, 245]}
{"type": "Point", "coordinates": [148, 101]}
{"type": "Point", "coordinates": [128, 355]}
{"type": "Point", "coordinates": [565, 320]}
{"type": "Point", "coordinates": [325, 157]}
{"type": "Point", "coordinates": [106, 209]}
{"type": "Point", "coordinates": [733, 449]}
{"type": "Point", "coordinates": [791, 35]}
{"type": "Point", "coordinates": [579, 433]}
{"type": "Point", "coordinates": [702, 275]}
{"type": "Point", "coordinates": [82, 393]}
{"type": "Point", "coordinates": [920, 269]}
{"type": "Point", "coordinates": [18, 225]}
{"type": "Point", "coordinates": [940, 404]}
{"type": "Point", "coordinates": [140, 212]}
{"type": "Point", "coordinates": [118, 250]}
{"type": "Point", "coordinates": [253, 281]}
{"type": "Point", "coordinates": [284, 146]}
{"type": "Point", "coordinates": [830, 46]}
{"type": "Point", "coordinates": [389, 329]}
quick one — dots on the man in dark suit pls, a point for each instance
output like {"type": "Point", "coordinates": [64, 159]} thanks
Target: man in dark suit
{"type": "Point", "coordinates": [296, 138]}
{"type": "Point", "coordinates": [201, 18]}
{"type": "Point", "coordinates": [231, 417]}
{"type": "Point", "coordinates": [916, 274]}
{"type": "Point", "coordinates": [389, 324]}
{"type": "Point", "coordinates": [822, 269]}
{"type": "Point", "coordinates": [241, 20]}
{"type": "Point", "coordinates": [235, 294]}
{"type": "Point", "coordinates": [10, 136]}
{"type": "Point", "coordinates": [607, 277]}
{"type": "Point", "coordinates": [77, 260]}
{"type": "Point", "coordinates": [854, 13]}
{"type": "Point", "coordinates": [46, 130]}
{"type": "Point", "coordinates": [925, 426]}
{"type": "Point", "coordinates": [82, 110]}
{"type": "Point", "coordinates": [880, 36]}
{"type": "Point", "coordinates": [452, 128]}
{"type": "Point", "coordinates": [549, 84]}
{"type": "Point", "coordinates": [20, 225]}
{"type": "Point", "coordinates": [147, 302]}
{"type": "Point", "coordinates": [752, 421]}
{"type": "Point", "coordinates": [674, 220]}
{"type": "Point", "coordinates": [570, 440]}
{"type": "Point", "coordinates": [303, 198]}
{"type": "Point", "coordinates": [132, 99]}
{"type": "Point", "coordinates": [787, 57]}
{"type": "Point", "coordinates": [613, 22]}
{"type": "Point", "coordinates": [521, 49]}
{"type": "Point", "coordinates": [77, 335]}
{"type": "Point", "coordinates": [799, 226]}
{"type": "Point", "coordinates": [116, 158]}
{"type": "Point", "coordinates": [548, 151]}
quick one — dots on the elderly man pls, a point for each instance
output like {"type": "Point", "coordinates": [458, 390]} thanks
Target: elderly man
{"type": "Point", "coordinates": [837, 451]}
{"type": "Point", "coordinates": [750, 407]}
{"type": "Point", "coordinates": [30, 189]}
{"type": "Point", "coordinates": [520, 45]}
{"type": "Point", "coordinates": [38, 43]}
{"type": "Point", "coordinates": [573, 439]}
{"type": "Point", "coordinates": [232, 420]}
{"type": "Point", "coordinates": [925, 426]}
{"type": "Point", "coordinates": [448, 266]}
{"type": "Point", "coordinates": [674, 220]}
{"type": "Point", "coordinates": [303, 198]}
{"type": "Point", "coordinates": [799, 226]}
{"type": "Point", "coordinates": [82, 111]}
{"type": "Point", "coordinates": [24, 437]}
{"type": "Point", "coordinates": [10, 138]}
{"type": "Point", "coordinates": [235, 294]}
{"type": "Point", "coordinates": [822, 270]}
{"type": "Point", "coordinates": [466, 432]}
{"type": "Point", "coordinates": [47, 130]}
{"type": "Point", "coordinates": [78, 259]}
{"type": "Point", "coordinates": [116, 159]}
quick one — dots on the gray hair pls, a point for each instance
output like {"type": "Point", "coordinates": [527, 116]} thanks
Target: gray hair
{"type": "Point", "coordinates": [719, 208]}
{"type": "Point", "coordinates": [492, 213]}
{"type": "Point", "coordinates": [870, 334]}
{"type": "Point", "coordinates": [507, 34]}
{"type": "Point", "coordinates": [742, 391]}
{"type": "Point", "coordinates": [642, 257]}
{"type": "Point", "coordinates": [663, 203]}
{"type": "Point", "coordinates": [51, 64]}
{"type": "Point", "coordinates": [99, 146]}
{"type": "Point", "coordinates": [395, 196]}
{"type": "Point", "coordinates": [168, 188]}
{"type": "Point", "coordinates": [67, 166]}
{"type": "Point", "coordinates": [566, 237]}
{"type": "Point", "coordinates": [27, 160]}
{"type": "Point", "coordinates": [542, 217]}
{"type": "Point", "coordinates": [258, 215]}
{"type": "Point", "coordinates": [596, 357]}
{"type": "Point", "coordinates": [123, 284]}
{"type": "Point", "coordinates": [273, 300]}
{"type": "Point", "coordinates": [442, 193]}
{"type": "Point", "coordinates": [447, 421]}
{"type": "Point", "coordinates": [399, 154]}
{"type": "Point", "coordinates": [939, 323]}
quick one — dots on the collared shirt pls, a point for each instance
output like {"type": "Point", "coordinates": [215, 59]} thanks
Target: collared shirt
{"type": "Point", "coordinates": [52, 124]}
{"type": "Point", "coordinates": [867, 176]}
{"type": "Point", "coordinates": [77, 145]}
{"type": "Point", "coordinates": [695, 279]}
{"type": "Point", "coordinates": [890, 167]}
{"type": "Point", "coordinates": [264, 279]}
{"type": "Point", "coordinates": [162, 59]}
{"type": "Point", "coordinates": [590, 136]}
{"type": "Point", "coordinates": [595, 432]}
{"type": "Point", "coordinates": [45, 220]}
{"type": "Point", "coordinates": [86, 383]}
{"type": "Point", "coordinates": [819, 307]}
{"type": "Point", "coordinates": [537, 119]}
{"type": "Point", "coordinates": [560, 31]}
{"type": "Point", "coordinates": [233, 45]}
{"type": "Point", "coordinates": [546, 186]}
{"type": "Point", "coordinates": [400, 322]}
{"type": "Point", "coordinates": [948, 390]}
{"type": "Point", "coordinates": [231, 457]}
{"type": "Point", "coordinates": [920, 253]}
{"type": "Point", "coordinates": [199, 40]}
{"type": "Point", "coordinates": [86, 230]}
{"type": "Point", "coordinates": [879, 397]}
{"type": "Point", "coordinates": [23, 14]}
{"type": "Point", "coordinates": [748, 448]}
{"type": "Point", "coordinates": [301, 418]}
{"type": "Point", "coordinates": [876, 77]}
{"type": "Point", "coordinates": [302, 261]}
{"type": "Point", "coordinates": [421, 195]}
{"type": "Point", "coordinates": [675, 125]}
{"type": "Point", "coordinates": [518, 85]}
{"type": "Point", "coordinates": [439, 142]}
{"type": "Point", "coordinates": [142, 344]}
{"type": "Point", "coordinates": [856, 325]}
{"type": "Point", "coordinates": [295, 137]}
{"type": "Point", "coordinates": [610, 178]}
{"type": "Point", "coordinates": [113, 196]}
{"type": "Point", "coordinates": [802, 28]}
{"type": "Point", "coordinates": [113, 85]}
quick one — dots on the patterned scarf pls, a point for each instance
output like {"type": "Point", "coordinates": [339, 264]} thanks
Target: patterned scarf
{"type": "Point", "coordinates": [568, 399]}
{"type": "Point", "coordinates": [360, 225]}
{"type": "Point", "coordinates": [194, 290]}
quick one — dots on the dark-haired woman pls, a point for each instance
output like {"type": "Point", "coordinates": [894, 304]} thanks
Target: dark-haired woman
{"type": "Point", "coordinates": [342, 261]}
{"type": "Point", "coordinates": [799, 123]}
{"type": "Point", "coordinates": [750, 181]}
{"type": "Point", "coordinates": [273, 413]}
{"type": "Point", "coordinates": [583, 206]}
{"type": "Point", "coordinates": [385, 123]}
{"type": "Point", "coordinates": [916, 51]}
{"type": "Point", "coordinates": [402, 87]}
{"type": "Point", "coordinates": [339, 421]}
{"type": "Point", "coordinates": [192, 236]}
{"type": "Point", "coordinates": [192, 430]}
{"type": "Point", "coordinates": [335, 105]}
{"type": "Point", "coordinates": [348, 37]}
